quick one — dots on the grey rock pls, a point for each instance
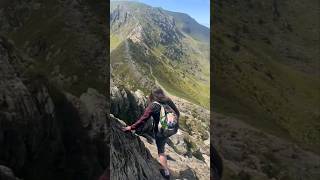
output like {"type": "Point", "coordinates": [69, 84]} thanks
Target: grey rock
{"type": "Point", "coordinates": [130, 159]}
{"type": "Point", "coordinates": [178, 143]}
{"type": "Point", "coordinates": [126, 105]}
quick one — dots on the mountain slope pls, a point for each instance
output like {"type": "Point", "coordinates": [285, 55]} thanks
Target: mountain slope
{"type": "Point", "coordinates": [48, 32]}
{"type": "Point", "coordinates": [169, 45]}
{"type": "Point", "coordinates": [190, 26]}
{"type": "Point", "coordinates": [267, 68]}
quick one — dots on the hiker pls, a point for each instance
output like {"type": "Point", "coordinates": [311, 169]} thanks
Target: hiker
{"type": "Point", "coordinates": [163, 111]}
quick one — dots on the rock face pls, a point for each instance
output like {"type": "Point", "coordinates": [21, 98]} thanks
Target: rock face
{"type": "Point", "coordinates": [130, 159]}
{"type": "Point", "coordinates": [125, 104]}
{"type": "Point", "coordinates": [46, 133]}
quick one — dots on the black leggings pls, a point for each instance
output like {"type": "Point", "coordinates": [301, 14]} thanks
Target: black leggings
{"type": "Point", "coordinates": [161, 142]}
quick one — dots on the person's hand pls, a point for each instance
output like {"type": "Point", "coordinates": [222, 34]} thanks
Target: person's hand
{"type": "Point", "coordinates": [125, 129]}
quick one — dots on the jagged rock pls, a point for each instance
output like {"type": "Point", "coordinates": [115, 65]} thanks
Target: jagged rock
{"type": "Point", "coordinates": [96, 104]}
{"type": "Point", "coordinates": [130, 159]}
{"type": "Point", "coordinates": [125, 104]}
{"type": "Point", "coordinates": [188, 174]}
{"type": "Point", "coordinates": [178, 143]}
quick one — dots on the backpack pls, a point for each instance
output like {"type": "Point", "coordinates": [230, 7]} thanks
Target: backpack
{"type": "Point", "coordinates": [168, 123]}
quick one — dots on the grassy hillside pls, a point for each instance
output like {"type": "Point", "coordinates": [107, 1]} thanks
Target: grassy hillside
{"type": "Point", "coordinates": [48, 33]}
{"type": "Point", "coordinates": [266, 66]}
{"type": "Point", "coordinates": [135, 73]}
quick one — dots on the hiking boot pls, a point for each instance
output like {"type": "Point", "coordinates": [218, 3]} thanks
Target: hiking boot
{"type": "Point", "coordinates": [163, 173]}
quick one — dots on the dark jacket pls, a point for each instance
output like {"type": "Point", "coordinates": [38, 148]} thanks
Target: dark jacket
{"type": "Point", "coordinates": [153, 110]}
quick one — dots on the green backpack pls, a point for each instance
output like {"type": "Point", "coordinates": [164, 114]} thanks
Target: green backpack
{"type": "Point", "coordinates": [168, 123]}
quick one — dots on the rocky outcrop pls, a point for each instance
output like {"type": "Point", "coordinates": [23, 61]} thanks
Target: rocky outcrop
{"type": "Point", "coordinates": [132, 16]}
{"type": "Point", "coordinates": [46, 133]}
{"type": "Point", "coordinates": [126, 105]}
{"type": "Point", "coordinates": [130, 159]}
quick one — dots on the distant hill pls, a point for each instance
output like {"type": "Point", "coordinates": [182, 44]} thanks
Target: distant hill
{"type": "Point", "coordinates": [190, 26]}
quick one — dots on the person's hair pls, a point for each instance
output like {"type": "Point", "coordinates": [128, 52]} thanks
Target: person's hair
{"type": "Point", "coordinates": [158, 95]}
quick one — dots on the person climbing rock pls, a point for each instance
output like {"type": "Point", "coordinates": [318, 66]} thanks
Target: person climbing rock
{"type": "Point", "coordinates": [165, 115]}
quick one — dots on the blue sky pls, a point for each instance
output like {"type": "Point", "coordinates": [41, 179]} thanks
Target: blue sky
{"type": "Point", "coordinates": [197, 9]}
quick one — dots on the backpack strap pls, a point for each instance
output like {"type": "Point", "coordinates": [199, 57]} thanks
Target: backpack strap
{"type": "Point", "coordinates": [156, 102]}
{"type": "Point", "coordinates": [162, 111]}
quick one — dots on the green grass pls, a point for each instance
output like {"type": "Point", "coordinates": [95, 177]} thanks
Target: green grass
{"type": "Point", "coordinates": [257, 86]}
{"type": "Point", "coordinates": [47, 25]}
{"type": "Point", "coordinates": [125, 73]}
{"type": "Point", "coordinates": [187, 88]}
{"type": "Point", "coordinates": [114, 41]}
{"type": "Point", "coordinates": [171, 79]}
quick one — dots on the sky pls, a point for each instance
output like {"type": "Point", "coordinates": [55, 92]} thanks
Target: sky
{"type": "Point", "coordinates": [197, 9]}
